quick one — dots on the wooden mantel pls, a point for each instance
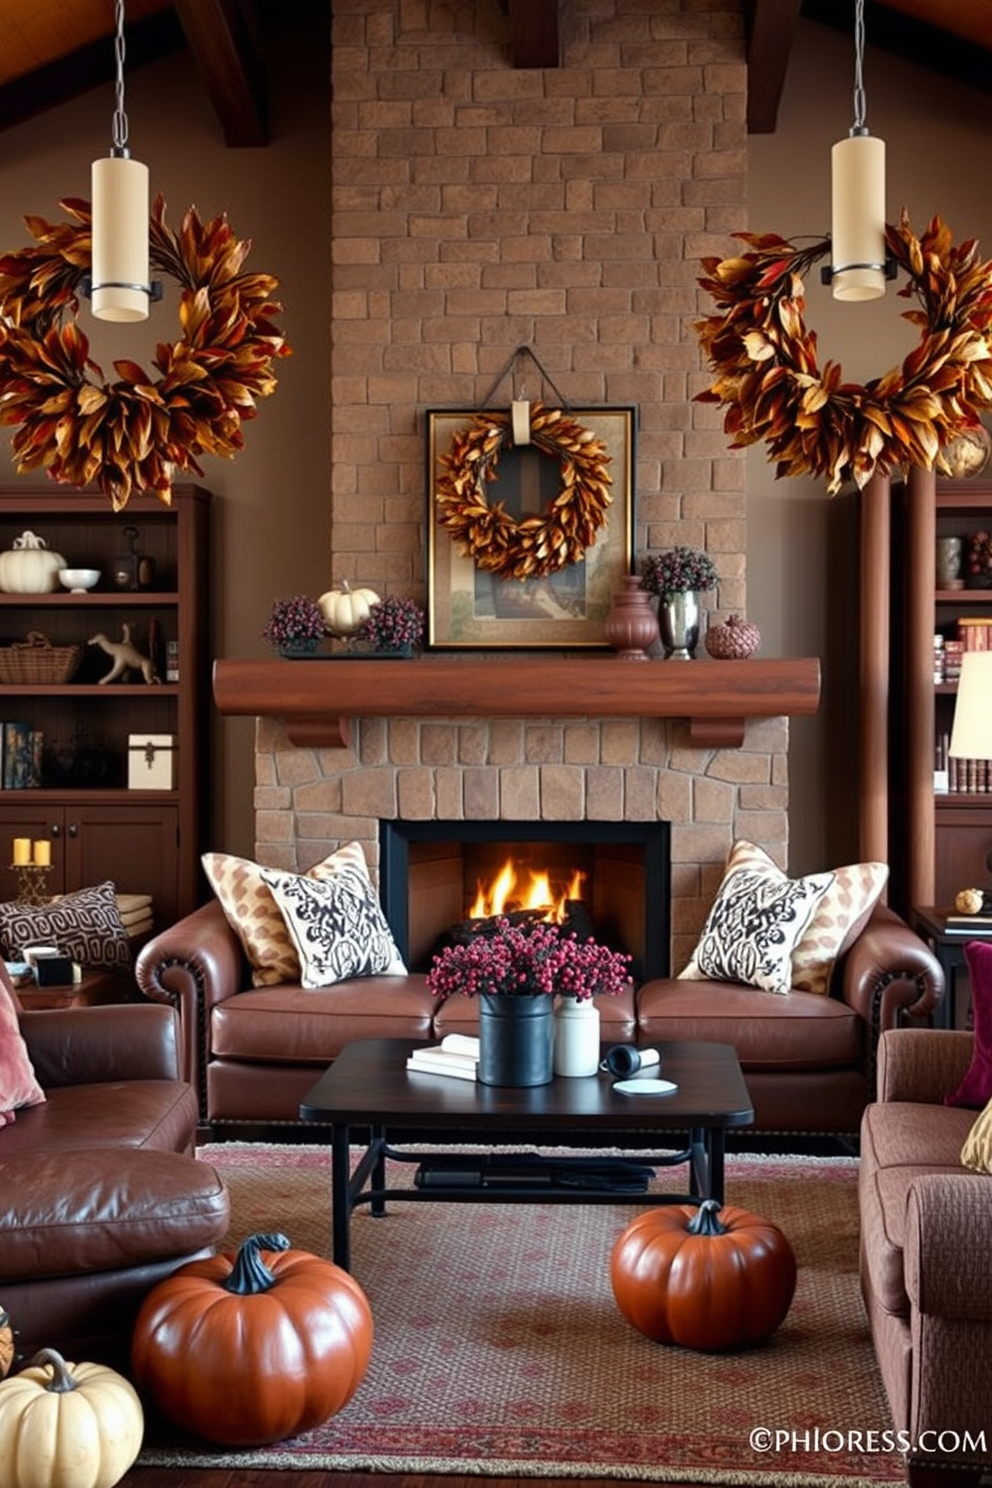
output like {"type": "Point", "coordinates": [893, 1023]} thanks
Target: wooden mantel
{"type": "Point", "coordinates": [317, 697]}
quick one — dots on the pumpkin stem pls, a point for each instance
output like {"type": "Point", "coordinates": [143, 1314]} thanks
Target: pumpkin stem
{"type": "Point", "coordinates": [61, 1381]}
{"type": "Point", "coordinates": [249, 1273]}
{"type": "Point", "coordinates": [706, 1220]}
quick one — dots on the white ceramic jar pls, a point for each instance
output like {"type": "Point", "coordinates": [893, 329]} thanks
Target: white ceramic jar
{"type": "Point", "coordinates": [576, 1050]}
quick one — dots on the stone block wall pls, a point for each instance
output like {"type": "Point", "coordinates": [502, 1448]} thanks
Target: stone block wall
{"type": "Point", "coordinates": [479, 208]}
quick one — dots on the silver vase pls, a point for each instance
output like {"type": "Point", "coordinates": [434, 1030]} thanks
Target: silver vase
{"type": "Point", "coordinates": [678, 624]}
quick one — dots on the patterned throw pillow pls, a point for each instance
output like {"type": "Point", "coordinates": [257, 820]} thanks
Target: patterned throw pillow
{"type": "Point", "coordinates": [337, 925]}
{"type": "Point", "coordinates": [256, 918]}
{"type": "Point", "coordinates": [85, 926]}
{"type": "Point", "coordinates": [977, 1150]}
{"type": "Point", "coordinates": [976, 1087]}
{"type": "Point", "coordinates": [756, 922]}
{"type": "Point", "coordinates": [18, 1085]}
{"type": "Point", "coordinates": [839, 919]}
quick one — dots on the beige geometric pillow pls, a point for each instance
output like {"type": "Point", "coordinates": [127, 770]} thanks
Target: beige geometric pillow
{"type": "Point", "coordinates": [840, 917]}
{"type": "Point", "coordinates": [255, 917]}
{"type": "Point", "coordinates": [977, 1150]}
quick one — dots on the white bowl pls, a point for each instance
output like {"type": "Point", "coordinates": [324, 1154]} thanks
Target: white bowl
{"type": "Point", "coordinates": [78, 580]}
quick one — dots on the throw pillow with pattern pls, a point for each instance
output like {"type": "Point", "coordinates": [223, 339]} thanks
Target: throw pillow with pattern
{"type": "Point", "coordinates": [256, 918]}
{"type": "Point", "coordinates": [757, 920]}
{"type": "Point", "coordinates": [85, 926]}
{"type": "Point", "coordinates": [18, 1083]}
{"type": "Point", "coordinates": [337, 926]}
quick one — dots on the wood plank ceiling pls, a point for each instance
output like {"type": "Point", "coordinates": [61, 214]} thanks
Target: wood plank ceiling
{"type": "Point", "coordinates": [52, 50]}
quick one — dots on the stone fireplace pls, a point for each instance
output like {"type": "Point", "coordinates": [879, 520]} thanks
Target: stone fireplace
{"type": "Point", "coordinates": [478, 207]}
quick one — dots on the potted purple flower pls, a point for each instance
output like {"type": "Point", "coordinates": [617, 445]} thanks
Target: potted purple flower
{"type": "Point", "coordinates": [678, 577]}
{"type": "Point", "coordinates": [295, 626]}
{"type": "Point", "coordinates": [393, 626]}
{"type": "Point", "coordinates": [517, 971]}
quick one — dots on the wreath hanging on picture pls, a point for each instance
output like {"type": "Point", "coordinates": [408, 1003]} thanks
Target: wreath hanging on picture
{"type": "Point", "coordinates": [132, 434]}
{"type": "Point", "coordinates": [813, 422]}
{"type": "Point", "coordinates": [525, 547]}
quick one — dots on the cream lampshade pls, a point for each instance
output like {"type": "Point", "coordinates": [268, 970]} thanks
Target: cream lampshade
{"type": "Point", "coordinates": [971, 733]}
{"type": "Point", "coordinates": [120, 289]}
{"type": "Point", "coordinates": [857, 235]}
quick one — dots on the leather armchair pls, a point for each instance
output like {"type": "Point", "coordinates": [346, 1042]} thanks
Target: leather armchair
{"type": "Point", "coordinates": [100, 1196]}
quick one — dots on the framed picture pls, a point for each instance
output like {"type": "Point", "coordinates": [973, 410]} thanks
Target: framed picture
{"type": "Point", "coordinates": [472, 607]}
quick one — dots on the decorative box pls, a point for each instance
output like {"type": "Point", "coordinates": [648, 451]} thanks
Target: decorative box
{"type": "Point", "coordinates": [151, 761]}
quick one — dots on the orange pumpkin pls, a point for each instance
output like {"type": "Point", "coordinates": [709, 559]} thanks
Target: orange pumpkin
{"type": "Point", "coordinates": [707, 1278]}
{"type": "Point", "coordinates": [251, 1347]}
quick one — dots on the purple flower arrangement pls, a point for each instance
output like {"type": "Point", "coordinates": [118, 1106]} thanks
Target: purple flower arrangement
{"type": "Point", "coordinates": [679, 571]}
{"type": "Point", "coordinates": [524, 960]}
{"type": "Point", "coordinates": [294, 622]}
{"type": "Point", "coordinates": [393, 624]}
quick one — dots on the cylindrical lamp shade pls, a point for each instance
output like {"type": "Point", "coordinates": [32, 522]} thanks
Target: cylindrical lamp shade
{"type": "Point", "coordinates": [857, 237]}
{"type": "Point", "coordinates": [971, 732]}
{"type": "Point", "coordinates": [119, 275]}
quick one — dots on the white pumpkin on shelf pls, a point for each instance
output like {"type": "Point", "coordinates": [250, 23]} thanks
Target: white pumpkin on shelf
{"type": "Point", "coordinates": [30, 566]}
{"type": "Point", "coordinates": [344, 609]}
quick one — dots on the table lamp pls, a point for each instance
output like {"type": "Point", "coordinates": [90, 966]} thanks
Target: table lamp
{"type": "Point", "coordinates": [971, 732]}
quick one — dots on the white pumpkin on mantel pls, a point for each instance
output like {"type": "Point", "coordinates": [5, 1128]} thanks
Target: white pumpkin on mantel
{"type": "Point", "coordinates": [344, 609]}
{"type": "Point", "coordinates": [29, 566]}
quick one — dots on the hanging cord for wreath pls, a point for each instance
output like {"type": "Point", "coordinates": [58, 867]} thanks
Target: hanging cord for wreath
{"type": "Point", "coordinates": [132, 434]}
{"type": "Point", "coordinates": [813, 422]}
{"type": "Point", "coordinates": [523, 351]}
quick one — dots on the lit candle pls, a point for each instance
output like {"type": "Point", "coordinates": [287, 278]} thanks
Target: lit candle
{"type": "Point", "coordinates": [22, 851]}
{"type": "Point", "coordinates": [43, 854]}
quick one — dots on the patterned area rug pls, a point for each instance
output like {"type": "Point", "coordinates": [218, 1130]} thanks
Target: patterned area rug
{"type": "Point", "coordinates": [499, 1349]}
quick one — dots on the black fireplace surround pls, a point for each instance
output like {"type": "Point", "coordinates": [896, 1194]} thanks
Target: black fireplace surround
{"type": "Point", "coordinates": [428, 872]}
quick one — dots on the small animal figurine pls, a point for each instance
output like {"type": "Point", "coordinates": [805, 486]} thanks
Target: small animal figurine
{"type": "Point", "coordinates": [126, 657]}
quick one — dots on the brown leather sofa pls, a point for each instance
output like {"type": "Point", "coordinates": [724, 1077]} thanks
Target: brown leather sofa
{"type": "Point", "coordinates": [254, 1053]}
{"type": "Point", "coordinates": [925, 1273]}
{"type": "Point", "coordinates": [100, 1196]}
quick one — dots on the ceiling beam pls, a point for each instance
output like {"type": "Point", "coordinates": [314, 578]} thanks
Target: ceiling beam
{"type": "Point", "coordinates": [892, 30]}
{"type": "Point", "coordinates": [771, 31]}
{"type": "Point", "coordinates": [221, 39]}
{"type": "Point", "coordinates": [534, 33]}
{"type": "Point", "coordinates": [90, 66]}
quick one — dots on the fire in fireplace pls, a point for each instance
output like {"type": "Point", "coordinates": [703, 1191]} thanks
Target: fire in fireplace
{"type": "Point", "coordinates": [518, 888]}
{"type": "Point", "coordinates": [430, 873]}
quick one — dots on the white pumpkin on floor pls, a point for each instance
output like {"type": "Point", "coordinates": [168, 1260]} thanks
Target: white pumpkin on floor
{"type": "Point", "coordinates": [67, 1425]}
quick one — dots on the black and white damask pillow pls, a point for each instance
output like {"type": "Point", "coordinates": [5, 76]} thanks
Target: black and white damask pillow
{"type": "Point", "coordinates": [86, 926]}
{"type": "Point", "coordinates": [754, 926]}
{"type": "Point", "coordinates": [337, 926]}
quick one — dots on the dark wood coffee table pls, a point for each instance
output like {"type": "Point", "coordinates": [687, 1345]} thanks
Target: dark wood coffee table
{"type": "Point", "coordinates": [369, 1087]}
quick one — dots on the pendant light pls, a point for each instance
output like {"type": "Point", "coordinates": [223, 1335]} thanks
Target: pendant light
{"type": "Point", "coordinates": [119, 286]}
{"type": "Point", "coordinates": [858, 268]}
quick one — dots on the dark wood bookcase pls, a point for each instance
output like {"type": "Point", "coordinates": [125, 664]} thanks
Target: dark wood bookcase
{"type": "Point", "coordinates": [147, 841]}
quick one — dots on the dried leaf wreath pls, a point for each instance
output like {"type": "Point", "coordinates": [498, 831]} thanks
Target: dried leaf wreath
{"type": "Point", "coordinates": [132, 434]}
{"type": "Point", "coordinates": [530, 547]}
{"type": "Point", "coordinates": [813, 422]}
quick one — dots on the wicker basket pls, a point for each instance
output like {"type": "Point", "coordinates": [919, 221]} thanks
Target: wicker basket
{"type": "Point", "coordinates": [37, 660]}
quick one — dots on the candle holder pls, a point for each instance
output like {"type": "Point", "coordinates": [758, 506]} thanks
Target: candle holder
{"type": "Point", "coordinates": [32, 882]}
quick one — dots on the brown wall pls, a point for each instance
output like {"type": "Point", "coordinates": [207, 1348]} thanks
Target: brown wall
{"type": "Point", "coordinates": [272, 528]}
{"type": "Point", "coordinates": [271, 522]}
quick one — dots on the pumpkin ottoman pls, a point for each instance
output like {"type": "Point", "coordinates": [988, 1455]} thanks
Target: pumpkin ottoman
{"type": "Point", "coordinates": [706, 1277]}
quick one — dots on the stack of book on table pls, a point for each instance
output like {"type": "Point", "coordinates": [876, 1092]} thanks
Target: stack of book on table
{"type": "Point", "coordinates": [456, 1055]}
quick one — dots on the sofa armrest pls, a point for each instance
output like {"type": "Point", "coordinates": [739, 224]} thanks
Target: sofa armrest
{"type": "Point", "coordinates": [922, 1064]}
{"type": "Point", "coordinates": [193, 965]}
{"type": "Point", "coordinates": [948, 1219]}
{"type": "Point", "coordinates": [889, 973]}
{"type": "Point", "coordinates": [101, 1044]}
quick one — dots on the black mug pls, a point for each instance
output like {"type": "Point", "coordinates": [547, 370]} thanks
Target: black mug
{"type": "Point", "coordinates": [624, 1059]}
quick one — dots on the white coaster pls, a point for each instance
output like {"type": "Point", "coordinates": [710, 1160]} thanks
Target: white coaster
{"type": "Point", "coordinates": [645, 1087]}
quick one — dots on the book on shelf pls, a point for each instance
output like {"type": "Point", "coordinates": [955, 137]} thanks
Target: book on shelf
{"type": "Point", "coordinates": [22, 749]}
{"type": "Point", "coordinates": [457, 1055]}
{"type": "Point", "coordinates": [965, 924]}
